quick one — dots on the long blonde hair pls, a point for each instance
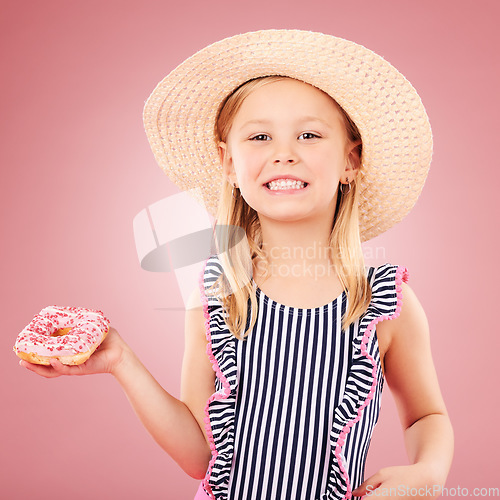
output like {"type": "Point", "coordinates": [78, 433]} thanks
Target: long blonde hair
{"type": "Point", "coordinates": [235, 286]}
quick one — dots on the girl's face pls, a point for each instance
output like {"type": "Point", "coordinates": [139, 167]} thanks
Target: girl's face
{"type": "Point", "coordinates": [286, 150]}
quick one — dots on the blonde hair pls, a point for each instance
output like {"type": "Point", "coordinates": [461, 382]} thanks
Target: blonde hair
{"type": "Point", "coordinates": [234, 286]}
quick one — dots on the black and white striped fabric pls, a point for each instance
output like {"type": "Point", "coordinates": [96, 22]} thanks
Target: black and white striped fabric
{"type": "Point", "coordinates": [296, 403]}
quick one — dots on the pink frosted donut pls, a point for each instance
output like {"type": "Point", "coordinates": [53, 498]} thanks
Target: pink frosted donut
{"type": "Point", "coordinates": [69, 334]}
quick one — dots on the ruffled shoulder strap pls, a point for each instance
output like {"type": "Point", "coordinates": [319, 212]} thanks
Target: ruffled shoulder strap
{"type": "Point", "coordinates": [385, 282]}
{"type": "Point", "coordinates": [212, 271]}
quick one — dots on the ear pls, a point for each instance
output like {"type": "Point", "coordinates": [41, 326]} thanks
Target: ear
{"type": "Point", "coordinates": [226, 162]}
{"type": "Point", "coordinates": [353, 160]}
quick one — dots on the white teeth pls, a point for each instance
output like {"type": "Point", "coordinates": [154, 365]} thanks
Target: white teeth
{"type": "Point", "coordinates": [285, 184]}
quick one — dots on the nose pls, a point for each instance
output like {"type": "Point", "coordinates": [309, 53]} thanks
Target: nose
{"type": "Point", "coordinates": [283, 161]}
{"type": "Point", "coordinates": [284, 154]}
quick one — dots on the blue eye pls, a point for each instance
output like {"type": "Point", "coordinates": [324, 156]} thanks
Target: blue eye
{"type": "Point", "coordinates": [260, 137]}
{"type": "Point", "coordinates": [308, 135]}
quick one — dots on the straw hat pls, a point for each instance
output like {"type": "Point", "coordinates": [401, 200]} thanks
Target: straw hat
{"type": "Point", "coordinates": [179, 115]}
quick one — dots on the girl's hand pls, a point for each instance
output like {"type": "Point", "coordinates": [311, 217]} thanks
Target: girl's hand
{"type": "Point", "coordinates": [105, 359]}
{"type": "Point", "coordinates": [405, 481]}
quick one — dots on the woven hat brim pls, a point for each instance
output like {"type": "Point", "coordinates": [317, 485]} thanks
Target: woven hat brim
{"type": "Point", "coordinates": [179, 115]}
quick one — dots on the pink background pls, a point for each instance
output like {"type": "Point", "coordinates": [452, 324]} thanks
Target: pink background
{"type": "Point", "coordinates": [76, 168]}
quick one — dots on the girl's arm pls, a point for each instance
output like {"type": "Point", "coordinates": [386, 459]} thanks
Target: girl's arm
{"type": "Point", "coordinates": [411, 376]}
{"type": "Point", "coordinates": [176, 425]}
{"type": "Point", "coordinates": [198, 376]}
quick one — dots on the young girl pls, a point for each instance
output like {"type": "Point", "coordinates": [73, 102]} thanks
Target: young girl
{"type": "Point", "coordinates": [319, 145]}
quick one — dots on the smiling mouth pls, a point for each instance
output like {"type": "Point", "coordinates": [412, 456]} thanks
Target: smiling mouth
{"type": "Point", "coordinates": [284, 184]}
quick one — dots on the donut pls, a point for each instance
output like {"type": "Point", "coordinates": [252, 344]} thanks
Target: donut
{"type": "Point", "coordinates": [69, 334]}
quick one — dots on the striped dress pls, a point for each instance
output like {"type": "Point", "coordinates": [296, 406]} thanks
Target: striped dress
{"type": "Point", "coordinates": [295, 404]}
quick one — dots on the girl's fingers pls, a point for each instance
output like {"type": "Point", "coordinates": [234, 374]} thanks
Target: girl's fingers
{"type": "Point", "coordinates": [372, 483]}
{"type": "Point", "coordinates": [55, 369]}
{"type": "Point", "coordinates": [42, 370]}
{"type": "Point", "coordinates": [62, 369]}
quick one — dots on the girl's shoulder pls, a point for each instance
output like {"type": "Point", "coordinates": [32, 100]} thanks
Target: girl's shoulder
{"type": "Point", "coordinates": [213, 267]}
{"type": "Point", "coordinates": [387, 272]}
{"type": "Point", "coordinates": [212, 270]}
{"type": "Point", "coordinates": [386, 282]}
{"type": "Point", "coordinates": [210, 285]}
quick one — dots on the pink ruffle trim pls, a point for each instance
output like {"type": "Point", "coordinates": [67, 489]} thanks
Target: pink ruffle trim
{"type": "Point", "coordinates": [402, 274]}
{"type": "Point", "coordinates": [220, 376]}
